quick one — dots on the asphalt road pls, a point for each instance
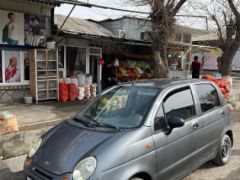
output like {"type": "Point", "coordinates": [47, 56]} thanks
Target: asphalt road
{"type": "Point", "coordinates": [11, 169]}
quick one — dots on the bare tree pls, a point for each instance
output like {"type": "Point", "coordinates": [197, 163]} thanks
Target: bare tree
{"type": "Point", "coordinates": [162, 16]}
{"type": "Point", "coordinates": [226, 16]}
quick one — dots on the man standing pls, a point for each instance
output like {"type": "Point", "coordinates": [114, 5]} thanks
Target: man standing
{"type": "Point", "coordinates": [10, 31]}
{"type": "Point", "coordinates": [195, 67]}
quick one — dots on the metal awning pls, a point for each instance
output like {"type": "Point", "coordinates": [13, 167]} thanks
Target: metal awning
{"type": "Point", "coordinates": [215, 50]}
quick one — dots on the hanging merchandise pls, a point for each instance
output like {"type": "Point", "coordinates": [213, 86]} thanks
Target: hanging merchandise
{"type": "Point", "coordinates": [93, 88]}
{"type": "Point", "coordinates": [63, 91]}
{"type": "Point", "coordinates": [87, 92]}
{"type": "Point", "coordinates": [100, 60]}
{"type": "Point", "coordinates": [73, 92]}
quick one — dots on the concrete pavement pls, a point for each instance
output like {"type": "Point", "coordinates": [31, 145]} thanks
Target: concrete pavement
{"type": "Point", "coordinates": [43, 112]}
{"type": "Point", "coordinates": [33, 121]}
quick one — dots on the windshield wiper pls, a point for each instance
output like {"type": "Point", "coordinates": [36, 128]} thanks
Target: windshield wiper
{"type": "Point", "coordinates": [85, 123]}
{"type": "Point", "coordinates": [99, 124]}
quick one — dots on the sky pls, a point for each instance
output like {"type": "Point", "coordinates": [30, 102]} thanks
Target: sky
{"type": "Point", "coordinates": [101, 14]}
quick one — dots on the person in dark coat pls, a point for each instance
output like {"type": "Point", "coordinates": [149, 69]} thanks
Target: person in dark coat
{"type": "Point", "coordinates": [108, 76]}
{"type": "Point", "coordinates": [196, 66]}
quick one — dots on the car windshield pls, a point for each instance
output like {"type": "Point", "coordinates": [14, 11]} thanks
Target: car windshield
{"type": "Point", "coordinates": [120, 107]}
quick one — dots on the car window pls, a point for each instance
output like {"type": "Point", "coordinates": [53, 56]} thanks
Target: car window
{"type": "Point", "coordinates": [208, 97]}
{"type": "Point", "coordinates": [180, 103]}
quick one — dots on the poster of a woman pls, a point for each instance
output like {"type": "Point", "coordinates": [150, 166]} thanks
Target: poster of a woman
{"type": "Point", "coordinates": [12, 64]}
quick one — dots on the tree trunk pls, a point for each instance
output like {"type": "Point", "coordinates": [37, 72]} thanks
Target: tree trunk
{"type": "Point", "coordinates": [227, 60]}
{"type": "Point", "coordinates": [162, 68]}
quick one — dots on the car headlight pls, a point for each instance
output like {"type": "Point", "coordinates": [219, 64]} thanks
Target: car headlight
{"type": "Point", "coordinates": [34, 147]}
{"type": "Point", "coordinates": [85, 168]}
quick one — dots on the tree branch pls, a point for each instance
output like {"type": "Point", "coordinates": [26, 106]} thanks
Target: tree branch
{"type": "Point", "coordinates": [220, 34]}
{"type": "Point", "coordinates": [234, 9]}
{"type": "Point", "coordinates": [178, 7]}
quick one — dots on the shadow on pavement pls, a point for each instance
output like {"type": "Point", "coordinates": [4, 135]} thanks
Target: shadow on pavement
{"type": "Point", "coordinates": [7, 174]}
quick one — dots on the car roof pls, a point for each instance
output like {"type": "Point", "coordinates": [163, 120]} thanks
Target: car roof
{"type": "Point", "coordinates": [163, 83]}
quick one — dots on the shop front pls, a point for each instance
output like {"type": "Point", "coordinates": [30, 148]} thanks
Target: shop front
{"type": "Point", "coordinates": [23, 26]}
{"type": "Point", "coordinates": [128, 62]}
{"type": "Point", "coordinates": [78, 60]}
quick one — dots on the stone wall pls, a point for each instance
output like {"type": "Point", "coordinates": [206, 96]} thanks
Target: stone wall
{"type": "Point", "coordinates": [13, 93]}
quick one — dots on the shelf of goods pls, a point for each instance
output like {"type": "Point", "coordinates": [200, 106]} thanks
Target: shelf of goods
{"type": "Point", "coordinates": [44, 74]}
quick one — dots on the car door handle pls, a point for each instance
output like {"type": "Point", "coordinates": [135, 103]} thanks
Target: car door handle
{"type": "Point", "coordinates": [195, 125]}
{"type": "Point", "coordinates": [222, 113]}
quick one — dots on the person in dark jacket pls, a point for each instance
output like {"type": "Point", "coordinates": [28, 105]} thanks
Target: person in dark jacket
{"type": "Point", "coordinates": [195, 67]}
{"type": "Point", "coordinates": [108, 76]}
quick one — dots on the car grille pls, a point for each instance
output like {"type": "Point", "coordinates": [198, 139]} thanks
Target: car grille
{"type": "Point", "coordinates": [41, 174]}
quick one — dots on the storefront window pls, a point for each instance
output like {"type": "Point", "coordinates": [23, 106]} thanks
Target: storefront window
{"type": "Point", "coordinates": [26, 66]}
{"type": "Point", "coordinates": [1, 80]}
{"type": "Point", "coordinates": [61, 57]}
{"type": "Point", "coordinates": [76, 61]}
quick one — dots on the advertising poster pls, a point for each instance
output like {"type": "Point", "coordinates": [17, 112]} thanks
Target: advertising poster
{"type": "Point", "coordinates": [35, 32]}
{"type": "Point", "coordinates": [12, 66]}
{"type": "Point", "coordinates": [11, 28]}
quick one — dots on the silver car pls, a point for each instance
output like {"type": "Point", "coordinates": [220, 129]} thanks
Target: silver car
{"type": "Point", "coordinates": [144, 130]}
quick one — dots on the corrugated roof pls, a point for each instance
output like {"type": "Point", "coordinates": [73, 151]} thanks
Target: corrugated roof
{"type": "Point", "coordinates": [82, 26]}
{"type": "Point", "coordinates": [50, 2]}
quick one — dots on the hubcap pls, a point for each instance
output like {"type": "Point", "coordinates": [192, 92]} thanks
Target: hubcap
{"type": "Point", "coordinates": [226, 149]}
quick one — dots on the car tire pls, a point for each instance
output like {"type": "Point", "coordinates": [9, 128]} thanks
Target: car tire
{"type": "Point", "coordinates": [224, 152]}
{"type": "Point", "coordinates": [136, 178]}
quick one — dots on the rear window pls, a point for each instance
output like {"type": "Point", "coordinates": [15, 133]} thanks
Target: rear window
{"type": "Point", "coordinates": [208, 97]}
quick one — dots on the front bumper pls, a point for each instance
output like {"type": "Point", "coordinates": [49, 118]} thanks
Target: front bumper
{"type": "Point", "coordinates": [34, 172]}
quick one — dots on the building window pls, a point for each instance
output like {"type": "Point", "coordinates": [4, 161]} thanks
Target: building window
{"type": "Point", "coordinates": [76, 61]}
{"type": "Point", "coordinates": [1, 67]}
{"type": "Point", "coordinates": [186, 38]}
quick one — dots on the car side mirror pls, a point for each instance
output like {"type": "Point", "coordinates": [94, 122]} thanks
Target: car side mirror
{"type": "Point", "coordinates": [175, 122]}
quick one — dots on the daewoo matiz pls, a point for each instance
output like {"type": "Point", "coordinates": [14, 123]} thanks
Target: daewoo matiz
{"type": "Point", "coordinates": [144, 130]}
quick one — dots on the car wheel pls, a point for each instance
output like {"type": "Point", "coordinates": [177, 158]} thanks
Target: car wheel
{"type": "Point", "coordinates": [224, 152]}
{"type": "Point", "coordinates": [136, 178]}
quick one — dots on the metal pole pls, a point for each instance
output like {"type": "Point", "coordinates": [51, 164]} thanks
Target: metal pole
{"type": "Point", "coordinates": [66, 19]}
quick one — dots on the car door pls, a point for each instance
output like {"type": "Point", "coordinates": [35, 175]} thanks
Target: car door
{"type": "Point", "coordinates": [174, 151]}
{"type": "Point", "coordinates": [211, 120]}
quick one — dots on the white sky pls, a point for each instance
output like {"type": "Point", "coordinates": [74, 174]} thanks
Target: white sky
{"type": "Point", "coordinates": [100, 14]}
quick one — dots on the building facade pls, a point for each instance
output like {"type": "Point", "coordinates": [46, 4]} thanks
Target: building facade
{"type": "Point", "coordinates": [24, 25]}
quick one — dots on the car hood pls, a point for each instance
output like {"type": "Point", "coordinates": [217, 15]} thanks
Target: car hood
{"type": "Point", "coordinates": [65, 147]}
